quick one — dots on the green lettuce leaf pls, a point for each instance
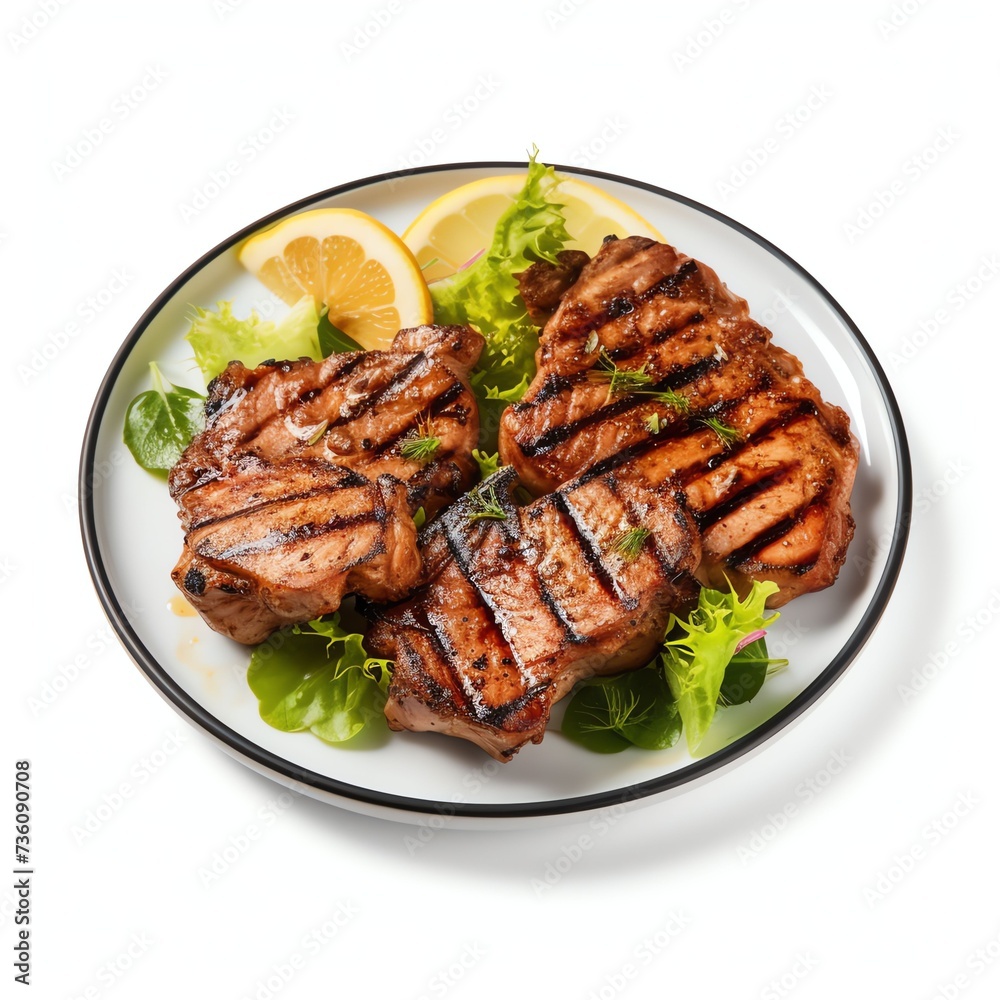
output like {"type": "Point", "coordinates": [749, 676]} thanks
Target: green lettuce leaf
{"type": "Point", "coordinates": [611, 713]}
{"type": "Point", "coordinates": [333, 340]}
{"type": "Point", "coordinates": [218, 337]}
{"type": "Point", "coordinates": [160, 423]}
{"type": "Point", "coordinates": [746, 673]}
{"type": "Point", "coordinates": [695, 661]}
{"type": "Point", "coordinates": [318, 677]}
{"type": "Point", "coordinates": [486, 295]}
{"type": "Point", "coordinates": [488, 464]}
{"type": "Point", "coordinates": [492, 402]}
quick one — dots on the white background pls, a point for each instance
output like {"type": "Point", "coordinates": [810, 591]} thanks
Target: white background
{"type": "Point", "coordinates": [854, 856]}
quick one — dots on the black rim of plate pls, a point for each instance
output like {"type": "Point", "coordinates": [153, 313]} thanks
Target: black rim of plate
{"type": "Point", "coordinates": [268, 761]}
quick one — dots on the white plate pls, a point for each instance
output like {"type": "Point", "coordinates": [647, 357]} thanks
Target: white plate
{"type": "Point", "coordinates": [132, 540]}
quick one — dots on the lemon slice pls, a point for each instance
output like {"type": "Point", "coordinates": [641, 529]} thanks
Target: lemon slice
{"type": "Point", "coordinates": [351, 263]}
{"type": "Point", "coordinates": [453, 229]}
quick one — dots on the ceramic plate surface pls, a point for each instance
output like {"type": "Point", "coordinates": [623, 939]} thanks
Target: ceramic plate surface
{"type": "Point", "coordinates": [133, 539]}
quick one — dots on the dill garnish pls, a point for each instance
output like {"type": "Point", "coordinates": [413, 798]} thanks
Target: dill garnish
{"type": "Point", "coordinates": [672, 399]}
{"type": "Point", "coordinates": [421, 446]}
{"type": "Point", "coordinates": [620, 380]}
{"type": "Point", "coordinates": [485, 507]}
{"type": "Point", "coordinates": [420, 449]}
{"type": "Point", "coordinates": [629, 543]}
{"type": "Point", "coordinates": [678, 403]}
{"type": "Point", "coordinates": [726, 433]}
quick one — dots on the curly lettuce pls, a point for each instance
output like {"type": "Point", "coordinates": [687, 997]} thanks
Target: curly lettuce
{"type": "Point", "coordinates": [486, 293]}
{"type": "Point", "coordinates": [218, 337]}
{"type": "Point", "coordinates": [696, 659]}
{"type": "Point", "coordinates": [717, 657]}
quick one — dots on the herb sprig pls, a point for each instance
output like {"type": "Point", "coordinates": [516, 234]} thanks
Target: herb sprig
{"type": "Point", "coordinates": [422, 445]}
{"type": "Point", "coordinates": [620, 381]}
{"type": "Point", "coordinates": [726, 433]}
{"type": "Point", "coordinates": [629, 543]}
{"type": "Point", "coordinates": [485, 507]}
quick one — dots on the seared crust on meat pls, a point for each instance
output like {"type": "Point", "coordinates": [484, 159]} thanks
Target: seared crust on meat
{"type": "Point", "coordinates": [299, 490]}
{"type": "Point", "coordinates": [765, 464]}
{"type": "Point", "coordinates": [268, 547]}
{"type": "Point", "coordinates": [543, 285]}
{"type": "Point", "coordinates": [354, 410]}
{"type": "Point", "coordinates": [516, 611]}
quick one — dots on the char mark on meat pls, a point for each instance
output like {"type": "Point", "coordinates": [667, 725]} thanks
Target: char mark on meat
{"type": "Point", "coordinates": [515, 611]}
{"type": "Point", "coordinates": [300, 490]}
{"type": "Point", "coordinates": [652, 366]}
{"type": "Point", "coordinates": [265, 550]}
{"type": "Point", "coordinates": [356, 410]}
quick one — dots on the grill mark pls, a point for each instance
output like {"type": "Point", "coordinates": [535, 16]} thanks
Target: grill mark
{"type": "Point", "coordinates": [371, 400]}
{"type": "Point", "coordinates": [803, 408]}
{"type": "Point", "coordinates": [665, 334]}
{"type": "Point", "coordinates": [551, 387]}
{"type": "Point", "coordinates": [577, 325]}
{"type": "Point", "coordinates": [350, 362]}
{"type": "Point", "coordinates": [511, 531]}
{"type": "Point", "coordinates": [588, 548]}
{"type": "Point", "coordinates": [497, 716]}
{"type": "Point", "coordinates": [439, 403]}
{"type": "Point", "coordinates": [648, 444]}
{"type": "Point", "coordinates": [490, 715]}
{"type": "Point", "coordinates": [447, 396]}
{"type": "Point", "coordinates": [667, 570]}
{"type": "Point", "coordinates": [461, 552]}
{"type": "Point", "coordinates": [620, 305]}
{"type": "Point", "coordinates": [351, 480]}
{"type": "Point", "coordinates": [767, 537]}
{"type": "Point", "coordinates": [558, 612]}
{"type": "Point", "coordinates": [706, 518]}
{"type": "Point", "coordinates": [555, 436]}
{"type": "Point", "coordinates": [380, 514]}
{"type": "Point", "coordinates": [633, 451]}
{"type": "Point", "coordinates": [447, 654]}
{"type": "Point", "coordinates": [655, 337]}
{"type": "Point", "coordinates": [438, 694]}
{"type": "Point", "coordinates": [671, 284]}
{"type": "Point", "coordinates": [301, 532]}
{"type": "Point", "coordinates": [280, 414]}
{"type": "Point", "coordinates": [455, 517]}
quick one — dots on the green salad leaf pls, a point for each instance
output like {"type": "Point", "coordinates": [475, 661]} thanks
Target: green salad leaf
{"type": "Point", "coordinates": [318, 677]}
{"type": "Point", "coordinates": [697, 671]}
{"type": "Point", "coordinates": [486, 293]}
{"type": "Point", "coordinates": [612, 713]}
{"type": "Point", "coordinates": [696, 659]}
{"type": "Point", "coordinates": [493, 401]}
{"type": "Point", "coordinates": [746, 673]}
{"type": "Point", "coordinates": [488, 464]}
{"type": "Point", "coordinates": [160, 422]}
{"type": "Point", "coordinates": [218, 337]}
{"type": "Point", "coordinates": [333, 340]}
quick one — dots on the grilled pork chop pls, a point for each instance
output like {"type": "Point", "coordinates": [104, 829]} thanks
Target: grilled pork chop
{"type": "Point", "coordinates": [356, 410]}
{"type": "Point", "coordinates": [518, 609]}
{"type": "Point", "coordinates": [273, 545]}
{"type": "Point", "coordinates": [651, 366]}
{"type": "Point", "coordinates": [300, 489]}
